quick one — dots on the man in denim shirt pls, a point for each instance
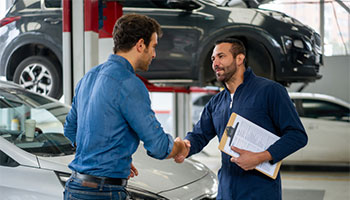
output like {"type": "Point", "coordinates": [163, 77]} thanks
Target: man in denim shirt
{"type": "Point", "coordinates": [111, 112]}
{"type": "Point", "coordinates": [263, 102]}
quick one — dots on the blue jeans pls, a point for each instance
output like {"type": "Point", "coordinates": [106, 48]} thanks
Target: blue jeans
{"type": "Point", "coordinates": [74, 191]}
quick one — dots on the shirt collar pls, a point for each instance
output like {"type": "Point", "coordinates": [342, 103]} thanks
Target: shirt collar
{"type": "Point", "coordinates": [122, 60]}
{"type": "Point", "coordinates": [248, 74]}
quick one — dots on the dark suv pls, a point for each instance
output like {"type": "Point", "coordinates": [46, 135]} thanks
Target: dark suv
{"type": "Point", "coordinates": [31, 45]}
{"type": "Point", "coordinates": [279, 47]}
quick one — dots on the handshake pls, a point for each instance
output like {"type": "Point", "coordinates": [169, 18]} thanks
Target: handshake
{"type": "Point", "coordinates": [180, 150]}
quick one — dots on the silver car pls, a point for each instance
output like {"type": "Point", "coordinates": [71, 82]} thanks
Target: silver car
{"type": "Point", "coordinates": [34, 155]}
{"type": "Point", "coordinates": [326, 120]}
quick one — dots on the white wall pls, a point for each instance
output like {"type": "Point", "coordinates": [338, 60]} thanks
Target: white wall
{"type": "Point", "coordinates": [4, 5]}
{"type": "Point", "coordinates": [2, 8]}
{"type": "Point", "coordinates": [335, 80]}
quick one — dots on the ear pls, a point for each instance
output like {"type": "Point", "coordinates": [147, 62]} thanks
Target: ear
{"type": "Point", "coordinates": [140, 45]}
{"type": "Point", "coordinates": [240, 59]}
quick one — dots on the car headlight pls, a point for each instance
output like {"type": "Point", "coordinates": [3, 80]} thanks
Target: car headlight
{"type": "Point", "coordinates": [298, 43]}
{"type": "Point", "coordinates": [138, 194]}
{"type": "Point", "coordinates": [287, 43]}
{"type": "Point", "coordinates": [63, 177]}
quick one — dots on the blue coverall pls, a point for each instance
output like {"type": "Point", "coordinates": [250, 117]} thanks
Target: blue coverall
{"type": "Point", "coordinates": [265, 103]}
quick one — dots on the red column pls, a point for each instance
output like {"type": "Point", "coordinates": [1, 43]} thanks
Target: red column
{"type": "Point", "coordinates": [111, 13]}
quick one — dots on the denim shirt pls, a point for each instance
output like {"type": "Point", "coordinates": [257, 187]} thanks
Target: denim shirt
{"type": "Point", "coordinates": [111, 112]}
{"type": "Point", "coordinates": [265, 103]}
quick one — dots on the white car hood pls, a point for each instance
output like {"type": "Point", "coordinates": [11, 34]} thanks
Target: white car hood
{"type": "Point", "coordinates": [154, 175]}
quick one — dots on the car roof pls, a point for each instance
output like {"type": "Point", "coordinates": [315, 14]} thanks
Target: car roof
{"type": "Point", "coordinates": [305, 95]}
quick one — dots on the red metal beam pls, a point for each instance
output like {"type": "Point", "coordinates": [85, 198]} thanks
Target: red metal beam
{"type": "Point", "coordinates": [91, 15]}
{"type": "Point", "coordinates": [153, 88]}
{"type": "Point", "coordinates": [67, 20]}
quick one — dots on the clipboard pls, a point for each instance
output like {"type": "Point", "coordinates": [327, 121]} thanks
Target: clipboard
{"type": "Point", "coordinates": [237, 127]}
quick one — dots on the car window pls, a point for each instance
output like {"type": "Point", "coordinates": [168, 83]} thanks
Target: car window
{"type": "Point", "coordinates": [33, 123]}
{"type": "Point", "coordinates": [7, 161]}
{"type": "Point", "coordinates": [325, 110]}
{"type": "Point", "coordinates": [25, 4]}
{"type": "Point", "coordinates": [52, 3]}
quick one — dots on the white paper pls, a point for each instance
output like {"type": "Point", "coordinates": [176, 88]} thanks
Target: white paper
{"type": "Point", "coordinates": [251, 137]}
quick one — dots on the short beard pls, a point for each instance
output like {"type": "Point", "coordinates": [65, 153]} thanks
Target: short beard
{"type": "Point", "coordinates": [227, 76]}
{"type": "Point", "coordinates": [142, 64]}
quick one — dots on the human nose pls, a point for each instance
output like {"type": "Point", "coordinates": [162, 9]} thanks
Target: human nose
{"type": "Point", "coordinates": [214, 64]}
{"type": "Point", "coordinates": [154, 54]}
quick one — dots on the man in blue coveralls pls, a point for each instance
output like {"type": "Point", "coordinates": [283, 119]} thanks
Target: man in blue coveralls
{"type": "Point", "coordinates": [111, 112]}
{"type": "Point", "coordinates": [261, 101]}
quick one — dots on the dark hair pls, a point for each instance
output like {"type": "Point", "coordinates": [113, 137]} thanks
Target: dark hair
{"type": "Point", "coordinates": [130, 28]}
{"type": "Point", "coordinates": [236, 48]}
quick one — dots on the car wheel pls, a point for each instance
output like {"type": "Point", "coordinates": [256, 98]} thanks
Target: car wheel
{"type": "Point", "coordinates": [39, 74]}
{"type": "Point", "coordinates": [259, 59]}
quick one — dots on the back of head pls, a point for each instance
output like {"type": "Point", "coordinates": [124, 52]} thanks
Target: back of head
{"type": "Point", "coordinates": [130, 28]}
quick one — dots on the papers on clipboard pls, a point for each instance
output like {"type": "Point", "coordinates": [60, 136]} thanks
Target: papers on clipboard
{"type": "Point", "coordinates": [246, 135]}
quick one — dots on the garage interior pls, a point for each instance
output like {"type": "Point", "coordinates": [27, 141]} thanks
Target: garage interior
{"type": "Point", "coordinates": [172, 103]}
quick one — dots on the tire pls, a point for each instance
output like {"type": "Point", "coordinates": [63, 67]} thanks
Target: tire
{"type": "Point", "coordinates": [259, 59]}
{"type": "Point", "coordinates": [38, 74]}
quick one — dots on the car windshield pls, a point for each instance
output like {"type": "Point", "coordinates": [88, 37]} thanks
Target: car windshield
{"type": "Point", "coordinates": [33, 123]}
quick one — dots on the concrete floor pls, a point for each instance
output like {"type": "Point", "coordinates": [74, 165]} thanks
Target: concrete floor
{"type": "Point", "coordinates": [315, 185]}
{"type": "Point", "coordinates": [302, 185]}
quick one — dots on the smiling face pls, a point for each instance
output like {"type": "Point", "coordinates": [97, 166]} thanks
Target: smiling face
{"type": "Point", "coordinates": [223, 63]}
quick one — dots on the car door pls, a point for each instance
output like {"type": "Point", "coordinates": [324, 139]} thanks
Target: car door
{"type": "Point", "coordinates": [328, 128]}
{"type": "Point", "coordinates": [51, 15]}
{"type": "Point", "coordinates": [177, 47]}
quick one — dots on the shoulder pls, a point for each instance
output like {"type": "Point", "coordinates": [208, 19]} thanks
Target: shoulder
{"type": "Point", "coordinates": [265, 84]}
{"type": "Point", "coordinates": [217, 99]}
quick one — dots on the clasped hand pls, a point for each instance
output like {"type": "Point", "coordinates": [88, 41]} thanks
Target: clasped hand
{"type": "Point", "coordinates": [179, 153]}
{"type": "Point", "coordinates": [183, 149]}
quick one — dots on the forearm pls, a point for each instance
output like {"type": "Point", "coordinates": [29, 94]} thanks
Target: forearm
{"type": "Point", "coordinates": [287, 144]}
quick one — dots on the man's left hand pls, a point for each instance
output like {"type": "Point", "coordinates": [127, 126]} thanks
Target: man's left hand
{"type": "Point", "coordinates": [133, 172]}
